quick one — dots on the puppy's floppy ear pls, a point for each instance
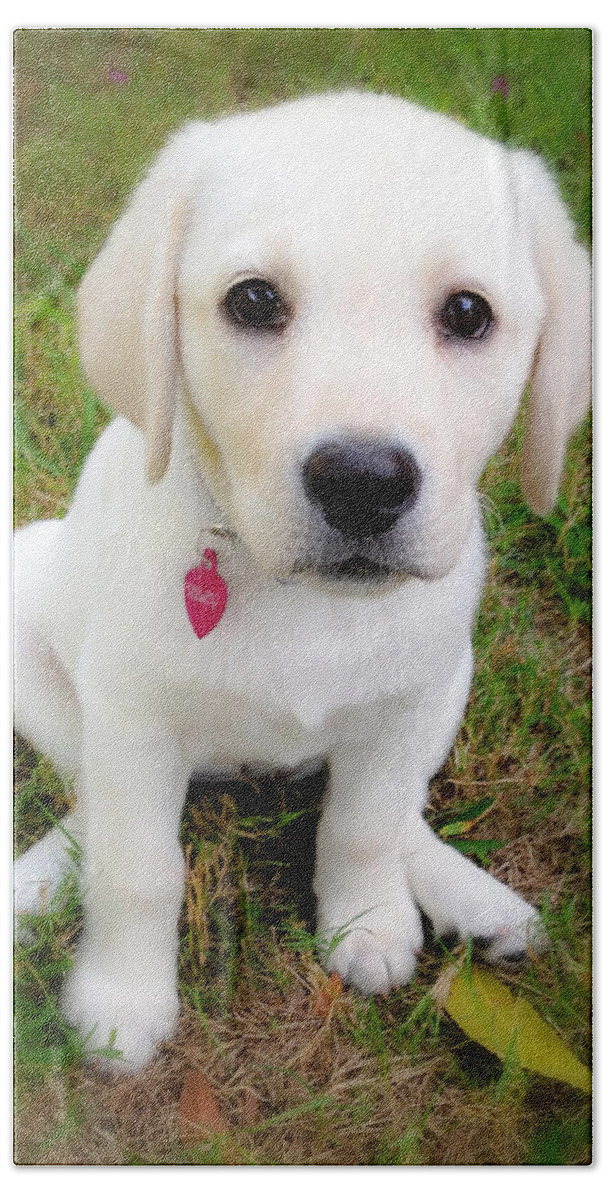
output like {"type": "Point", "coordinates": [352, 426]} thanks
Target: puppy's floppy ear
{"type": "Point", "coordinates": [126, 303]}
{"type": "Point", "coordinates": [561, 375]}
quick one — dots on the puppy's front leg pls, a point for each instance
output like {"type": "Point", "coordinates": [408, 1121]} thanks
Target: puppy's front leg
{"type": "Point", "coordinates": [125, 974]}
{"type": "Point", "coordinates": [462, 899]}
{"type": "Point", "coordinates": [364, 902]}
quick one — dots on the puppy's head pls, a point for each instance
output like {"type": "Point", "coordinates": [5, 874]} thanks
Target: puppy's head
{"type": "Point", "coordinates": [347, 295]}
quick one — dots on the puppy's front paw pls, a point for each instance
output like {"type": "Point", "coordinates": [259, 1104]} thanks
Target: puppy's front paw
{"type": "Point", "coordinates": [515, 930]}
{"type": "Point", "coordinates": [376, 951]}
{"type": "Point", "coordinates": [38, 873]}
{"type": "Point", "coordinates": [373, 963]}
{"type": "Point", "coordinates": [139, 1017]}
{"type": "Point", "coordinates": [499, 922]}
{"type": "Point", "coordinates": [463, 901]}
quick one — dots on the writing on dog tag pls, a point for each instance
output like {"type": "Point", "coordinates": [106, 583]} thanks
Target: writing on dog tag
{"type": "Point", "coordinates": [206, 594]}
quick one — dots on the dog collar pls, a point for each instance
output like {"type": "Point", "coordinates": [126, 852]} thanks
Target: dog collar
{"type": "Point", "coordinates": [205, 594]}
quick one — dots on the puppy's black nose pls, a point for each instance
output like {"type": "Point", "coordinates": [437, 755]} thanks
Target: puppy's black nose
{"type": "Point", "coordinates": [361, 487]}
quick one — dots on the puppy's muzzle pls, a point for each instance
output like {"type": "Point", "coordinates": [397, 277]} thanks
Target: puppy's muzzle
{"type": "Point", "coordinates": [361, 487]}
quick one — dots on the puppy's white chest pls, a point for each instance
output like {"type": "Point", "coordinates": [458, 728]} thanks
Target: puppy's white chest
{"type": "Point", "coordinates": [292, 654]}
{"type": "Point", "coordinates": [280, 697]}
{"type": "Point", "coordinates": [287, 672]}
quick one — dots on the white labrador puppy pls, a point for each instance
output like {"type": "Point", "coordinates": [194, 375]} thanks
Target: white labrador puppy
{"type": "Point", "coordinates": [317, 321]}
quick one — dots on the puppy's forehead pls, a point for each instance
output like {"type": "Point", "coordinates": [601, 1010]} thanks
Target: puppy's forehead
{"type": "Point", "coordinates": [340, 164]}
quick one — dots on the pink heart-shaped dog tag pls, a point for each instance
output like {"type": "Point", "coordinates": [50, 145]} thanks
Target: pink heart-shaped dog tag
{"type": "Point", "coordinates": [205, 593]}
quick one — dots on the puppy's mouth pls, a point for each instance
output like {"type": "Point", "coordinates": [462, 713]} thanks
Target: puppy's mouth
{"type": "Point", "coordinates": [357, 569]}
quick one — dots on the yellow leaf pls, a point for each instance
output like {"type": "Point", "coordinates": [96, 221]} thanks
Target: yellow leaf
{"type": "Point", "coordinates": [488, 1013]}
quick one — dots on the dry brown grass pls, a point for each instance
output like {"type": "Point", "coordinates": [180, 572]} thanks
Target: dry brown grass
{"type": "Point", "coordinates": [290, 1085]}
{"type": "Point", "coordinates": [301, 1071]}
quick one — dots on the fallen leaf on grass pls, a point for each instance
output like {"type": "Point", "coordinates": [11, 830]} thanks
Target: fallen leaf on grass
{"type": "Point", "coordinates": [467, 818]}
{"type": "Point", "coordinates": [462, 822]}
{"type": "Point", "coordinates": [199, 1113]}
{"type": "Point", "coordinates": [480, 847]}
{"type": "Point", "coordinates": [508, 1026]}
{"type": "Point", "coordinates": [326, 995]}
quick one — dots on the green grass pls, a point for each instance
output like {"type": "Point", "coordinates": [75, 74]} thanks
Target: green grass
{"type": "Point", "coordinates": [304, 1073]}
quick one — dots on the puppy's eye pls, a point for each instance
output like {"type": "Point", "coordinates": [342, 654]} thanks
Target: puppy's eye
{"type": "Point", "coordinates": [466, 315]}
{"type": "Point", "coordinates": [256, 304]}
